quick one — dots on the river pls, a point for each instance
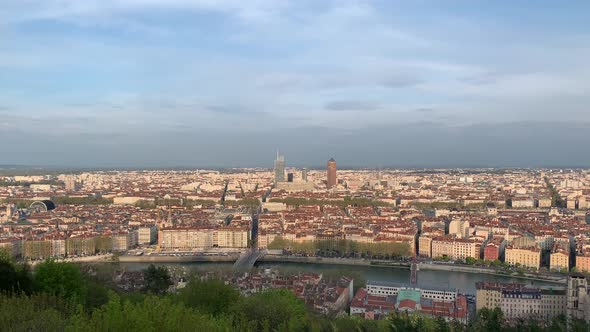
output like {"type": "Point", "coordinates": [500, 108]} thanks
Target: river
{"type": "Point", "coordinates": [464, 282]}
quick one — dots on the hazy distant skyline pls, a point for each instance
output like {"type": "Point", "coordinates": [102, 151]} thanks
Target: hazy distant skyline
{"type": "Point", "coordinates": [156, 83]}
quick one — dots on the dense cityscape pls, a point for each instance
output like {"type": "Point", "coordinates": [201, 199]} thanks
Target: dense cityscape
{"type": "Point", "coordinates": [529, 225]}
{"type": "Point", "coordinates": [294, 166]}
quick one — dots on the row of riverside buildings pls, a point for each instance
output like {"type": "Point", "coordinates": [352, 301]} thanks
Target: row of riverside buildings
{"type": "Point", "coordinates": [172, 238]}
{"type": "Point", "coordinates": [543, 303]}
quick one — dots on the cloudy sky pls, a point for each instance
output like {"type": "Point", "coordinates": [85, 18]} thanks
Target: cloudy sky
{"type": "Point", "coordinates": [226, 82]}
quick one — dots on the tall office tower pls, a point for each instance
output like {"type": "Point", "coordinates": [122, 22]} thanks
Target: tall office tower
{"type": "Point", "coordinates": [279, 168]}
{"type": "Point", "coordinates": [332, 181]}
{"type": "Point", "coordinates": [70, 183]}
{"type": "Point", "coordinates": [304, 175]}
{"type": "Point", "coordinates": [289, 177]}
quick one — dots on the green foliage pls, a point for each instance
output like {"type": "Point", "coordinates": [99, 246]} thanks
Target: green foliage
{"type": "Point", "coordinates": [67, 301]}
{"type": "Point", "coordinates": [66, 200]}
{"type": "Point", "coordinates": [348, 324]}
{"type": "Point", "coordinates": [556, 199]}
{"type": "Point", "coordinates": [145, 204]}
{"type": "Point", "coordinates": [96, 295]}
{"type": "Point", "coordinates": [20, 203]}
{"type": "Point", "coordinates": [60, 279]}
{"type": "Point", "coordinates": [273, 310]}
{"type": "Point", "coordinates": [211, 297]}
{"type": "Point", "coordinates": [470, 260]}
{"type": "Point", "coordinates": [343, 247]}
{"type": "Point", "coordinates": [41, 312]}
{"type": "Point", "coordinates": [436, 205]}
{"type": "Point", "coordinates": [151, 314]}
{"type": "Point", "coordinates": [252, 203]}
{"type": "Point", "coordinates": [14, 278]}
{"type": "Point", "coordinates": [195, 202]}
{"type": "Point", "coordinates": [157, 279]}
{"type": "Point", "coordinates": [168, 201]}
{"type": "Point", "coordinates": [347, 201]}
{"type": "Point", "coordinates": [488, 320]}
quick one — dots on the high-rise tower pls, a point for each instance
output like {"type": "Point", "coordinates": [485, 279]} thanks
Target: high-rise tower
{"type": "Point", "coordinates": [332, 181]}
{"type": "Point", "coordinates": [304, 175]}
{"type": "Point", "coordinates": [279, 168]}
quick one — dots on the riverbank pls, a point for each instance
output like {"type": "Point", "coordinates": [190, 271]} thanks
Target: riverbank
{"type": "Point", "coordinates": [478, 270]}
{"type": "Point", "coordinates": [342, 262]}
{"type": "Point", "coordinates": [178, 259]}
{"type": "Point", "coordinates": [84, 259]}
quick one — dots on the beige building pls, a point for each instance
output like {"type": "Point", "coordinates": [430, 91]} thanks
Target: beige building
{"type": "Point", "coordinates": [583, 261]}
{"type": "Point", "coordinates": [186, 238]}
{"type": "Point", "coordinates": [459, 227]}
{"type": "Point", "coordinates": [231, 238]}
{"type": "Point", "coordinates": [58, 247]}
{"type": "Point", "coordinates": [36, 249]}
{"type": "Point", "coordinates": [80, 246]}
{"type": "Point", "coordinates": [522, 203]}
{"type": "Point", "coordinates": [122, 241]}
{"type": "Point", "coordinates": [455, 248]}
{"type": "Point", "coordinates": [12, 247]}
{"type": "Point", "coordinates": [265, 239]}
{"type": "Point", "coordinates": [200, 238]}
{"type": "Point", "coordinates": [544, 203]}
{"type": "Point", "coordinates": [559, 259]}
{"type": "Point", "coordinates": [528, 256]}
{"type": "Point", "coordinates": [147, 235]}
{"type": "Point", "coordinates": [425, 246]}
{"type": "Point", "coordinates": [522, 301]}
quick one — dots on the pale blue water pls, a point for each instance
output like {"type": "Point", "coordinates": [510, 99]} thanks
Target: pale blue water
{"type": "Point", "coordinates": [464, 282]}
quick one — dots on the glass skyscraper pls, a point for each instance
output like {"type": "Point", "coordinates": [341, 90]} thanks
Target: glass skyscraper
{"type": "Point", "coordinates": [279, 168]}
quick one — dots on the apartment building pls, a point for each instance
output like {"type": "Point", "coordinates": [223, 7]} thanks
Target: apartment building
{"type": "Point", "coordinates": [11, 246]}
{"type": "Point", "coordinates": [147, 234]}
{"type": "Point", "coordinates": [425, 246]}
{"type": "Point", "coordinates": [527, 256]}
{"type": "Point", "coordinates": [455, 248]}
{"type": "Point", "coordinates": [197, 238]}
{"type": "Point", "coordinates": [559, 259]}
{"type": "Point", "coordinates": [80, 246]}
{"type": "Point", "coordinates": [459, 228]}
{"type": "Point", "coordinates": [494, 249]}
{"type": "Point", "coordinates": [231, 238]}
{"type": "Point", "coordinates": [522, 301]}
{"type": "Point", "coordinates": [122, 241]}
{"type": "Point", "coordinates": [583, 261]}
{"type": "Point", "coordinates": [186, 238]}
{"type": "Point", "coordinates": [36, 249]}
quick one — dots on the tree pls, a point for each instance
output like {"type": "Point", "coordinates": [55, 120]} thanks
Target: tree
{"type": "Point", "coordinates": [442, 325]}
{"type": "Point", "coordinates": [14, 278]}
{"type": "Point", "coordinates": [273, 310]}
{"type": "Point", "coordinates": [58, 278]}
{"type": "Point", "coordinates": [38, 312]}
{"type": "Point", "coordinates": [150, 314]}
{"type": "Point", "coordinates": [488, 320]}
{"type": "Point", "coordinates": [157, 279]}
{"type": "Point", "coordinates": [96, 295]}
{"type": "Point", "coordinates": [211, 297]}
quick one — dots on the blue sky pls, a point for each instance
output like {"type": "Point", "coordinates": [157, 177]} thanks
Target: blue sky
{"type": "Point", "coordinates": [224, 83]}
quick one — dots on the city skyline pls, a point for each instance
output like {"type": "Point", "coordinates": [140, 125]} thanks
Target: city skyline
{"type": "Point", "coordinates": [291, 165]}
{"type": "Point", "coordinates": [219, 83]}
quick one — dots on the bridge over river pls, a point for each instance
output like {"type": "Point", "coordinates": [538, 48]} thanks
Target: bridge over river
{"type": "Point", "coordinates": [248, 258]}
